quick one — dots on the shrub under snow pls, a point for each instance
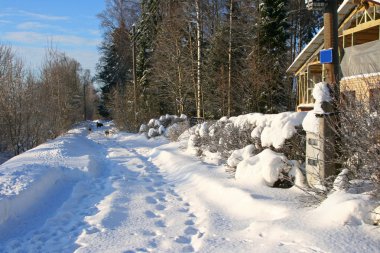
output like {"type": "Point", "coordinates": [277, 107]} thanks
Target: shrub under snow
{"type": "Point", "coordinates": [163, 125]}
{"type": "Point", "coordinates": [241, 139]}
{"type": "Point", "coordinates": [268, 167]}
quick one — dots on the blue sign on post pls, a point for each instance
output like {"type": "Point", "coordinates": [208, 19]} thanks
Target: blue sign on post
{"type": "Point", "coordinates": [326, 56]}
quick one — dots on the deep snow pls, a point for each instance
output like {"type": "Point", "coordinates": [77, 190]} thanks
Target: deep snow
{"type": "Point", "coordinates": [86, 192]}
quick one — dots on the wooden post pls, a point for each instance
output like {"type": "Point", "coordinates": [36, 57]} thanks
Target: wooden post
{"type": "Point", "coordinates": [84, 101]}
{"type": "Point", "coordinates": [326, 133]}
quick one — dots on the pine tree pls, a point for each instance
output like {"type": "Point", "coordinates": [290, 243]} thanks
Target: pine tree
{"type": "Point", "coordinates": [272, 41]}
{"type": "Point", "coordinates": [115, 65]}
{"type": "Point", "coordinates": [145, 39]}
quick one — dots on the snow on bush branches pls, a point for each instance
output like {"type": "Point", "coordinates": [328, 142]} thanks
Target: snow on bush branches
{"type": "Point", "coordinates": [166, 125]}
{"type": "Point", "coordinates": [242, 140]}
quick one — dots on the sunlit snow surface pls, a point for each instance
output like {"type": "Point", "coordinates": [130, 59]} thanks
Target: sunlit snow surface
{"type": "Point", "coordinates": [87, 192]}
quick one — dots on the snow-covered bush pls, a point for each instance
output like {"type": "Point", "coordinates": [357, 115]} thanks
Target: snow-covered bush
{"type": "Point", "coordinates": [143, 128]}
{"type": "Point", "coordinates": [175, 130]}
{"type": "Point", "coordinates": [259, 130]}
{"type": "Point", "coordinates": [240, 139]}
{"type": "Point", "coordinates": [269, 167]}
{"type": "Point", "coordinates": [164, 125]}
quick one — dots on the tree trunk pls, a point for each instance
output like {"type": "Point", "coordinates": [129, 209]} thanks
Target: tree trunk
{"type": "Point", "coordinates": [229, 63]}
{"type": "Point", "coordinates": [199, 58]}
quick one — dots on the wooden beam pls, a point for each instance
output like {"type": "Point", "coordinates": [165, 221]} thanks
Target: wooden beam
{"type": "Point", "coordinates": [361, 27]}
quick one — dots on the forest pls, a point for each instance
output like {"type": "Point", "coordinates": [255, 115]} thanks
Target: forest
{"type": "Point", "coordinates": [39, 105]}
{"type": "Point", "coordinates": [202, 58]}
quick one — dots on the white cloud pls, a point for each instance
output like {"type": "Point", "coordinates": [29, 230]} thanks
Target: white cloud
{"type": "Point", "coordinates": [35, 37]}
{"type": "Point", "coordinates": [94, 32]}
{"type": "Point", "coordinates": [42, 16]}
{"type": "Point", "coordinates": [2, 21]}
{"type": "Point", "coordinates": [32, 26]}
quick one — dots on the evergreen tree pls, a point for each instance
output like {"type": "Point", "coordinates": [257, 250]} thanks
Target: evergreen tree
{"type": "Point", "coordinates": [145, 38]}
{"type": "Point", "coordinates": [115, 65]}
{"type": "Point", "coordinates": [272, 42]}
{"type": "Point", "coordinates": [114, 68]}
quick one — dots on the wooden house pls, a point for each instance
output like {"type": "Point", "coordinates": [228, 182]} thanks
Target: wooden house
{"type": "Point", "coordinates": [359, 54]}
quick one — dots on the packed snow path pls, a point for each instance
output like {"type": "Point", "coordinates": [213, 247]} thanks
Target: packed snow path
{"type": "Point", "coordinates": [129, 207]}
{"type": "Point", "coordinates": [124, 193]}
{"type": "Point", "coordinates": [143, 213]}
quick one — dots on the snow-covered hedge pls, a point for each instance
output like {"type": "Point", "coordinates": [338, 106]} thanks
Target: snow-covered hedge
{"type": "Point", "coordinates": [242, 140]}
{"type": "Point", "coordinates": [166, 125]}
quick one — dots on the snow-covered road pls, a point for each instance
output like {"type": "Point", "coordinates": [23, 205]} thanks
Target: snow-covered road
{"type": "Point", "coordinates": [143, 212]}
{"type": "Point", "coordinates": [87, 192]}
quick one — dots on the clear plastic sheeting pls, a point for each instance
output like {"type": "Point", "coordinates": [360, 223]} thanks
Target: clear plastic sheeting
{"type": "Point", "coordinates": [361, 59]}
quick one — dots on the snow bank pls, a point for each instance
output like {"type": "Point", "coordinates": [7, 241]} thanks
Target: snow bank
{"type": "Point", "coordinates": [27, 178]}
{"type": "Point", "coordinates": [342, 208]}
{"type": "Point", "coordinates": [22, 186]}
{"type": "Point", "coordinates": [204, 186]}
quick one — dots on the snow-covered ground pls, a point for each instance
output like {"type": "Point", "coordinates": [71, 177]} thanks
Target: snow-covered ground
{"type": "Point", "coordinates": [88, 192]}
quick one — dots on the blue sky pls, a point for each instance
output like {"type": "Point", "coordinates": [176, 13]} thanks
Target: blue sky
{"type": "Point", "coordinates": [71, 26]}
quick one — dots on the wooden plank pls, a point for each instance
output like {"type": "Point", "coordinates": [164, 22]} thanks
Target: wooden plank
{"type": "Point", "coordinates": [362, 27]}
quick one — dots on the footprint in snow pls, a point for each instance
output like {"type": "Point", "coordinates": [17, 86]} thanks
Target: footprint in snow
{"type": "Point", "coordinates": [160, 223]}
{"type": "Point", "coordinates": [150, 188]}
{"type": "Point", "coordinates": [183, 209]}
{"type": "Point", "coordinates": [148, 180]}
{"type": "Point", "coordinates": [183, 239]}
{"type": "Point", "coordinates": [188, 248]}
{"type": "Point", "coordinates": [151, 200]}
{"type": "Point", "coordinates": [151, 214]}
{"type": "Point", "coordinates": [157, 184]}
{"type": "Point", "coordinates": [160, 207]}
{"type": "Point", "coordinates": [149, 233]}
{"type": "Point", "coordinates": [191, 231]}
{"type": "Point", "coordinates": [160, 195]}
{"type": "Point", "coordinates": [189, 222]}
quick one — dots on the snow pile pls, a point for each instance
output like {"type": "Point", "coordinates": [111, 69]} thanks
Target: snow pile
{"type": "Point", "coordinates": [268, 167]}
{"type": "Point", "coordinates": [163, 125]}
{"type": "Point", "coordinates": [31, 176]}
{"type": "Point", "coordinates": [343, 208]}
{"type": "Point", "coordinates": [321, 94]}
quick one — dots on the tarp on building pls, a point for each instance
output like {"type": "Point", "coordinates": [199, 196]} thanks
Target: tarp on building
{"type": "Point", "coordinates": [361, 59]}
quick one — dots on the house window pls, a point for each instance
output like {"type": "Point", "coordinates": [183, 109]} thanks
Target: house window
{"type": "Point", "coordinates": [374, 99]}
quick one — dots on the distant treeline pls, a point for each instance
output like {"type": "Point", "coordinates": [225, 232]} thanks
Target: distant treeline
{"type": "Point", "coordinates": [36, 107]}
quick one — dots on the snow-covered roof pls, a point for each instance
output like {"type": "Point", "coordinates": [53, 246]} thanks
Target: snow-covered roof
{"type": "Point", "coordinates": [344, 10]}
